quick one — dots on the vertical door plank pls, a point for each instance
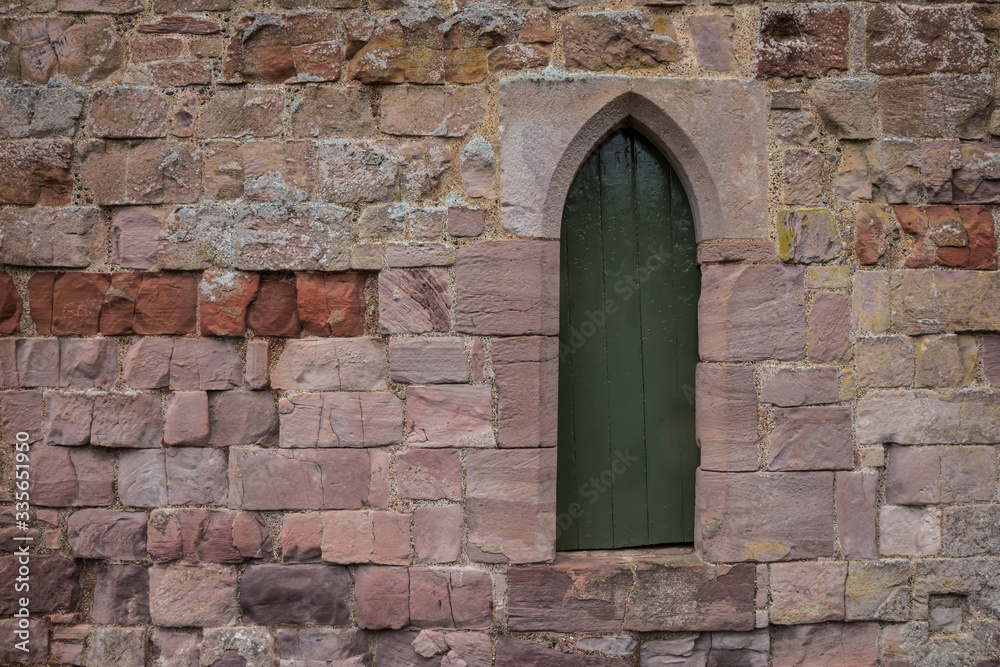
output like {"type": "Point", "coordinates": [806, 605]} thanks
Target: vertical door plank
{"type": "Point", "coordinates": [585, 277]}
{"type": "Point", "coordinates": [567, 528]}
{"type": "Point", "coordinates": [625, 408]}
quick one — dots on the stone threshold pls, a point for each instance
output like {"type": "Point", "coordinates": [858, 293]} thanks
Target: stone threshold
{"type": "Point", "coordinates": [663, 589]}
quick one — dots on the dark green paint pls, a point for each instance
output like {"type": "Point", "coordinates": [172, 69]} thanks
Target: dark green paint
{"type": "Point", "coordinates": [628, 350]}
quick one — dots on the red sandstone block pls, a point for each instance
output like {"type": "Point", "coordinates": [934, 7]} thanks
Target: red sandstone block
{"type": "Point", "coordinates": [857, 502]}
{"type": "Point", "coordinates": [21, 411]}
{"type": "Point", "coordinates": [224, 300]}
{"type": "Point", "coordinates": [429, 474]}
{"type": "Point", "coordinates": [275, 311]}
{"type": "Point", "coordinates": [242, 418]}
{"type": "Point", "coordinates": [121, 420]}
{"type": "Point", "coordinates": [206, 535]}
{"type": "Point", "coordinates": [450, 416]}
{"type": "Point", "coordinates": [68, 418]}
{"type": "Point", "coordinates": [803, 41]}
{"type": "Point", "coordinates": [42, 174]}
{"type": "Point", "coordinates": [73, 477]}
{"type": "Point", "coordinates": [186, 419]}
{"type": "Point", "coordinates": [38, 649]}
{"type": "Point", "coordinates": [147, 363]}
{"type": "Point", "coordinates": [262, 479]}
{"type": "Point", "coordinates": [88, 362]}
{"type": "Point", "coordinates": [118, 312]}
{"type": "Point", "coordinates": [296, 594]}
{"type": "Point", "coordinates": [202, 595]}
{"type": "Point", "coordinates": [121, 594]}
{"type": "Point", "coordinates": [204, 363]}
{"type": "Point", "coordinates": [107, 534]}
{"type": "Point", "coordinates": [302, 537]}
{"type": "Point", "coordinates": [331, 304]}
{"type": "Point", "coordinates": [807, 592]}
{"type": "Point", "coordinates": [37, 362]}
{"type": "Point", "coordinates": [382, 597]}
{"type": "Point", "coordinates": [437, 533]}
{"type": "Point", "coordinates": [527, 384]}
{"type": "Point", "coordinates": [56, 579]}
{"type": "Point", "coordinates": [10, 305]}
{"type": "Point", "coordinates": [166, 303]}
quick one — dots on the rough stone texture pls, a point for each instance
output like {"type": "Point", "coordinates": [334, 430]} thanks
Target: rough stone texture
{"type": "Point", "coordinates": [811, 439]}
{"type": "Point", "coordinates": [414, 301]}
{"type": "Point", "coordinates": [615, 40]}
{"type": "Point", "coordinates": [878, 590]}
{"type": "Point", "coordinates": [428, 111]}
{"type": "Point", "coordinates": [802, 41]}
{"type": "Point", "coordinates": [847, 106]}
{"type": "Point", "coordinates": [909, 531]}
{"type": "Point", "coordinates": [298, 479]}
{"type": "Point", "coordinates": [857, 510]}
{"type": "Point", "coordinates": [749, 313]}
{"type": "Point", "coordinates": [296, 594]}
{"type": "Point", "coordinates": [934, 106]}
{"type": "Point", "coordinates": [300, 645]}
{"type": "Point", "coordinates": [107, 534]}
{"type": "Point", "coordinates": [161, 172]}
{"type": "Point", "coordinates": [429, 474]}
{"type": "Point", "coordinates": [789, 387]}
{"type": "Point", "coordinates": [39, 236]}
{"type": "Point", "coordinates": [436, 360]}
{"type": "Point", "coordinates": [74, 477]}
{"type": "Point", "coordinates": [526, 374]}
{"type": "Point", "coordinates": [344, 364]}
{"type": "Point", "coordinates": [449, 416]}
{"type": "Point", "coordinates": [782, 515]}
{"type": "Point", "coordinates": [826, 644]}
{"type": "Point", "coordinates": [807, 592]}
{"type": "Point", "coordinates": [192, 595]}
{"type": "Point", "coordinates": [59, 588]}
{"type": "Point", "coordinates": [507, 288]}
{"type": "Point", "coordinates": [726, 417]}
{"type": "Point", "coordinates": [870, 237]}
{"type": "Point", "coordinates": [806, 236]}
{"type": "Point", "coordinates": [923, 417]}
{"type": "Point", "coordinates": [204, 535]}
{"type": "Point", "coordinates": [713, 42]}
{"type": "Point", "coordinates": [885, 361]}
{"type": "Point", "coordinates": [121, 594]}
{"type": "Point", "coordinates": [937, 475]}
{"type": "Point", "coordinates": [924, 40]}
{"type": "Point", "coordinates": [520, 652]}
{"type": "Point", "coordinates": [116, 647]}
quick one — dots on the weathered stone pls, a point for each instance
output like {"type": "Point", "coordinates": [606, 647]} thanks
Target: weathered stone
{"type": "Point", "coordinates": [934, 475]}
{"type": "Point", "coordinates": [299, 479]}
{"type": "Point", "coordinates": [150, 478]}
{"type": "Point", "coordinates": [807, 236]}
{"type": "Point", "coordinates": [870, 235]}
{"type": "Point", "coordinates": [11, 305]}
{"type": "Point", "coordinates": [878, 590]}
{"type": "Point", "coordinates": [811, 439]}
{"type": "Point", "coordinates": [415, 301]}
{"type": "Point", "coordinates": [885, 362]}
{"type": "Point", "coordinates": [910, 531]}
{"type": "Point", "coordinates": [176, 648]}
{"type": "Point", "coordinates": [61, 47]}
{"type": "Point", "coordinates": [478, 168]}
{"type": "Point", "coordinates": [795, 127]}
{"type": "Point", "coordinates": [437, 360]}
{"type": "Point", "coordinates": [525, 370]}
{"type": "Point", "coordinates": [782, 516]}
{"type": "Point", "coordinates": [511, 505]}
{"type": "Point", "coordinates": [147, 363]}
{"type": "Point", "coordinates": [726, 417]}
{"type": "Point", "coordinates": [615, 40]}
{"type": "Point", "coordinates": [242, 418]}
{"type": "Point", "coordinates": [186, 419]}
{"type": "Point", "coordinates": [449, 416]}
{"type": "Point", "coordinates": [945, 361]}
{"type": "Point", "coordinates": [429, 111]}
{"type": "Point", "coordinates": [324, 112]}
{"type": "Point", "coordinates": [382, 595]}
{"type": "Point", "coordinates": [922, 417]}
{"type": "Point", "coordinates": [21, 412]}
{"type": "Point", "coordinates": [121, 420]}
{"type": "Point", "coordinates": [736, 250]}
{"type": "Point", "coordinates": [166, 303]}
{"type": "Point", "coordinates": [39, 112]}
{"type": "Point", "coordinates": [803, 186]}
{"type": "Point", "coordinates": [847, 106]}
{"type": "Point", "coordinates": [911, 40]}
{"type": "Point", "coordinates": [201, 595]}
{"type": "Point", "coordinates": [121, 594]}
{"type": "Point", "coordinates": [507, 288]}
{"type": "Point", "coordinates": [128, 113]}
{"type": "Point", "coordinates": [331, 305]}
{"type": "Point", "coordinates": [134, 234]}
{"type": "Point", "coordinates": [429, 474]}
{"type": "Point", "coordinates": [336, 364]}
{"type": "Point", "coordinates": [302, 537]}
{"type": "Point", "coordinates": [894, 169]}
{"type": "Point", "coordinates": [437, 533]}
{"type": "Point", "coordinates": [68, 418]}
{"type": "Point", "coordinates": [239, 112]}
{"type": "Point", "coordinates": [857, 505]}
{"type": "Point", "coordinates": [713, 42]}
{"type": "Point", "coordinates": [926, 106]}
{"type": "Point", "coordinates": [255, 371]}
{"type": "Point", "coordinates": [787, 386]}
{"type": "Point", "coordinates": [432, 647]}
{"type": "Point", "coordinates": [73, 477]}
{"type": "Point", "coordinates": [971, 530]}
{"type": "Point", "coordinates": [364, 171]}
{"type": "Point", "coordinates": [826, 644]}
{"type": "Point", "coordinates": [71, 236]}
{"type": "Point", "coordinates": [247, 646]}
{"type": "Point", "coordinates": [341, 419]}
{"type": "Point", "coordinates": [224, 300]}
{"type": "Point", "coordinates": [116, 647]}
{"type": "Point", "coordinates": [275, 311]}
{"type": "Point", "coordinates": [512, 651]}
{"type": "Point", "coordinates": [37, 362]}
{"type": "Point", "coordinates": [940, 301]}
{"type": "Point", "coordinates": [301, 645]}
{"type": "Point", "coordinates": [807, 592]}
{"type": "Point", "coordinates": [853, 181]}
{"type": "Point", "coordinates": [802, 41]}
{"type": "Point", "coordinates": [160, 172]}
{"type": "Point", "coordinates": [107, 534]}
{"type": "Point", "coordinates": [57, 587]}
{"type": "Point", "coordinates": [466, 222]}
{"type": "Point", "coordinates": [748, 313]}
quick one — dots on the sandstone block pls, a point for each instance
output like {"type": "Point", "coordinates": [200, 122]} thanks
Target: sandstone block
{"type": "Point", "coordinates": [339, 364]}
{"type": "Point", "coordinates": [971, 530]}
{"type": "Point", "coordinates": [437, 360]}
{"type": "Point", "coordinates": [726, 417]}
{"type": "Point", "coordinates": [147, 363]}
{"type": "Point", "coordinates": [57, 587]}
{"type": "Point", "coordinates": [39, 112]}
{"type": "Point", "coordinates": [296, 594]}
{"type": "Point", "coordinates": [68, 418]}
{"type": "Point", "coordinates": [449, 416]}
{"type": "Point", "coordinates": [713, 42]}
{"type": "Point", "coordinates": [324, 112]}
{"type": "Point", "coordinates": [238, 112]}
{"type": "Point", "coordinates": [909, 531]}
{"type": "Point", "coordinates": [160, 172]}
{"type": "Point", "coordinates": [803, 186]}
{"type": "Point", "coordinates": [341, 419]}
{"type": "Point", "coordinates": [11, 306]}
{"type": "Point", "coordinates": [870, 236]}
{"type": "Point", "coordinates": [809, 235]}
{"type": "Point", "coordinates": [869, 308]}
{"type": "Point", "coordinates": [511, 505]}
{"type": "Point", "coordinates": [73, 477]}
{"type": "Point", "coordinates": [298, 479]}
{"type": "Point", "coordinates": [88, 363]}
{"type": "Point", "coordinates": [382, 595]}
{"type": "Point", "coordinates": [71, 236]}
{"type": "Point", "coordinates": [38, 649]}
{"type": "Point", "coordinates": [748, 313]}
{"type": "Point", "coordinates": [466, 222]}
{"type": "Point", "coordinates": [847, 106]}
{"type": "Point", "coordinates": [826, 644]}
{"type": "Point", "coordinates": [186, 419]}
{"type": "Point", "coordinates": [128, 113]}
{"type": "Point", "coordinates": [107, 534]}
{"type": "Point", "coordinates": [723, 251]}
{"type": "Point", "coordinates": [857, 503]}
{"type": "Point", "coordinates": [940, 301]}
{"type": "Point", "coordinates": [416, 301]}
{"type": "Point", "coordinates": [224, 300]}
{"type": "Point", "coordinates": [177, 647]}
{"type": "Point", "coordinates": [526, 374]}
{"type": "Point", "coordinates": [478, 168]}
{"type": "Point", "coordinates": [302, 537]}
{"type": "Point", "coordinates": [782, 516]}
{"type": "Point", "coordinates": [811, 439]}
{"type": "Point", "coordinates": [520, 652]}
{"type": "Point", "coordinates": [945, 361]}
{"type": "Point", "coordinates": [925, 106]}
{"type": "Point", "coordinates": [437, 533]}
{"type": "Point", "coordinates": [67, 303]}
{"type": "Point", "coordinates": [615, 40]}
{"type": "Point", "coordinates": [459, 598]}
{"type": "Point", "coordinates": [150, 478]}
{"type": "Point", "coordinates": [331, 305]}
{"type": "Point", "coordinates": [121, 594]}
{"type": "Point", "coordinates": [251, 646]}
{"type": "Point", "coordinates": [507, 288]}
{"type": "Point", "coordinates": [409, 646]}
{"type": "Point", "coordinates": [201, 595]}
{"type": "Point", "coordinates": [807, 592]}
{"type": "Point", "coordinates": [166, 304]}
{"type": "Point", "coordinates": [354, 171]}
{"type": "Point", "coordinates": [885, 362]}
{"type": "Point", "coordinates": [429, 111]}
{"type": "Point", "coordinates": [802, 41]}
{"type": "Point", "coordinates": [116, 647]}
{"type": "Point", "coordinates": [922, 417]}
{"type": "Point", "coordinates": [37, 362]}
{"type": "Point", "coordinates": [45, 176]}
{"type": "Point", "coordinates": [242, 418]}
{"type": "Point", "coordinates": [940, 474]}
{"type": "Point", "coordinates": [21, 411]}
{"type": "Point", "coordinates": [429, 474]}
{"type": "Point", "coordinates": [275, 311]}
{"type": "Point", "coordinates": [878, 590]}
{"type": "Point", "coordinates": [910, 42]}
{"type": "Point", "coordinates": [121, 420]}
{"type": "Point", "coordinates": [205, 535]}
{"type": "Point", "coordinates": [793, 386]}
{"type": "Point", "coordinates": [297, 645]}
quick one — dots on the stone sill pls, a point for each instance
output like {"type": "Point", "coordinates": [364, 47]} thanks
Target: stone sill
{"type": "Point", "coordinates": [663, 589]}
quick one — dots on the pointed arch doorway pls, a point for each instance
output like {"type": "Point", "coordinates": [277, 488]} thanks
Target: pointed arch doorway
{"type": "Point", "coordinates": [629, 289]}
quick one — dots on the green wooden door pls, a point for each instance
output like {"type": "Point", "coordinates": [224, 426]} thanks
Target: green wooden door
{"type": "Point", "coordinates": [628, 350]}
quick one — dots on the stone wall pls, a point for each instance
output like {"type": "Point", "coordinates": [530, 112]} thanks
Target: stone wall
{"type": "Point", "coordinates": [279, 318]}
